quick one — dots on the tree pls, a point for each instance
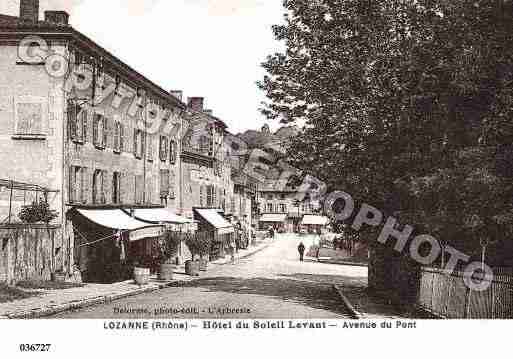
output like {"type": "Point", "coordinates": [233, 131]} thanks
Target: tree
{"type": "Point", "coordinates": [392, 94]}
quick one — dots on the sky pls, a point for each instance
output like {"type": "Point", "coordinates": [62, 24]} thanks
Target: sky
{"type": "Point", "coordinates": [207, 48]}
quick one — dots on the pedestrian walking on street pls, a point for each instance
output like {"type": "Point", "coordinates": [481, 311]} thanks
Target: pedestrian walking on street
{"type": "Point", "coordinates": [232, 249]}
{"type": "Point", "coordinates": [301, 250]}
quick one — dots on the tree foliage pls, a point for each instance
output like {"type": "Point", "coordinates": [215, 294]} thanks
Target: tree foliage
{"type": "Point", "coordinates": [407, 104]}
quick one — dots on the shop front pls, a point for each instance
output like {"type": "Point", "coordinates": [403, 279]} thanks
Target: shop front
{"type": "Point", "coordinates": [275, 220]}
{"type": "Point", "coordinates": [108, 243]}
{"type": "Point", "coordinates": [211, 223]}
{"type": "Point", "coordinates": [315, 223]}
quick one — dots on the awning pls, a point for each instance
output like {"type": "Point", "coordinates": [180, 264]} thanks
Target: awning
{"type": "Point", "coordinates": [273, 217]}
{"type": "Point", "coordinates": [112, 218]}
{"type": "Point", "coordinates": [216, 220]}
{"type": "Point", "coordinates": [312, 219]}
{"type": "Point", "coordinates": [159, 215]}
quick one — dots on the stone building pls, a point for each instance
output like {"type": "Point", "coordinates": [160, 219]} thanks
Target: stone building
{"type": "Point", "coordinates": [280, 206]}
{"type": "Point", "coordinates": [84, 133]}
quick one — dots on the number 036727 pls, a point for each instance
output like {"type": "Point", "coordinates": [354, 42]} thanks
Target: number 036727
{"type": "Point", "coordinates": [35, 347]}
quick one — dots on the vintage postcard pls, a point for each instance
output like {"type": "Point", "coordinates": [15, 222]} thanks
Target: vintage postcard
{"type": "Point", "coordinates": [341, 167]}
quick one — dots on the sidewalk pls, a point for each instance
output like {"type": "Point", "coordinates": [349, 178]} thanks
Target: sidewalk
{"type": "Point", "coordinates": [50, 302]}
{"type": "Point", "coordinates": [362, 304]}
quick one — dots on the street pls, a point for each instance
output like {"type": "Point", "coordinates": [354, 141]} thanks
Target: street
{"type": "Point", "coordinates": [272, 283]}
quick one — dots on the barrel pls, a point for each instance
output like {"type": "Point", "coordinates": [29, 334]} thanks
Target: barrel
{"type": "Point", "coordinates": [192, 268]}
{"type": "Point", "coordinates": [166, 271]}
{"type": "Point", "coordinates": [141, 275]}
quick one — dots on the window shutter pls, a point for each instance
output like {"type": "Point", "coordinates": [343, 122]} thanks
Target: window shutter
{"type": "Point", "coordinates": [172, 152]}
{"type": "Point", "coordinates": [150, 147]}
{"type": "Point", "coordinates": [72, 122]}
{"type": "Point", "coordinates": [106, 132]}
{"type": "Point", "coordinates": [135, 142]}
{"type": "Point", "coordinates": [121, 137]}
{"type": "Point", "coordinates": [85, 118]}
{"type": "Point", "coordinates": [103, 176]}
{"type": "Point", "coordinates": [143, 144]}
{"type": "Point", "coordinates": [71, 184]}
{"type": "Point", "coordinates": [117, 134]}
{"type": "Point", "coordinates": [86, 190]}
{"type": "Point", "coordinates": [95, 129]}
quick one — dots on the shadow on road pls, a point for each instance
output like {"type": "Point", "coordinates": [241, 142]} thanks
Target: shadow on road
{"type": "Point", "coordinates": [293, 290]}
{"type": "Point", "coordinates": [347, 281]}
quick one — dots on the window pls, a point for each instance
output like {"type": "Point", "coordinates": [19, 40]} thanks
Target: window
{"type": "Point", "coordinates": [232, 204]}
{"type": "Point", "coordinates": [30, 115]}
{"type": "Point", "coordinates": [99, 187]}
{"type": "Point", "coordinates": [269, 207]}
{"type": "Point", "coordinates": [139, 189]}
{"type": "Point", "coordinates": [138, 143]}
{"type": "Point", "coordinates": [282, 196]}
{"type": "Point", "coordinates": [164, 183]}
{"type": "Point", "coordinates": [270, 197]}
{"type": "Point", "coordinates": [210, 196]}
{"type": "Point", "coordinates": [149, 152]}
{"type": "Point", "coordinates": [163, 148]}
{"type": "Point", "coordinates": [99, 131]}
{"type": "Point", "coordinates": [172, 152]}
{"type": "Point", "coordinates": [118, 137]}
{"type": "Point", "coordinates": [283, 208]}
{"type": "Point", "coordinates": [77, 122]}
{"type": "Point", "coordinates": [202, 195]}
{"type": "Point", "coordinates": [77, 176]}
{"type": "Point", "coordinates": [116, 188]}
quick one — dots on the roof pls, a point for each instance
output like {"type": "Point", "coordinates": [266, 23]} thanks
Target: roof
{"type": "Point", "coordinates": [13, 24]}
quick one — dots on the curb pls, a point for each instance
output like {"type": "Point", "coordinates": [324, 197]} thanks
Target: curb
{"type": "Point", "coordinates": [353, 312]}
{"type": "Point", "coordinates": [354, 264]}
{"type": "Point", "coordinates": [89, 302]}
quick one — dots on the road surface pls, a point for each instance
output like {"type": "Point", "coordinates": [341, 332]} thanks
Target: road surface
{"type": "Point", "coordinates": [270, 284]}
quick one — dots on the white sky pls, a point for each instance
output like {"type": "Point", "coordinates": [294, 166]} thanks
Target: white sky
{"type": "Point", "coordinates": [208, 48]}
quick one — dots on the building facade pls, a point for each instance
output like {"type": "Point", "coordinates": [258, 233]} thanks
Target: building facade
{"type": "Point", "coordinates": [91, 144]}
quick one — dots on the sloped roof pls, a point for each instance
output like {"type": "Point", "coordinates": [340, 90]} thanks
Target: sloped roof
{"type": "Point", "coordinates": [13, 24]}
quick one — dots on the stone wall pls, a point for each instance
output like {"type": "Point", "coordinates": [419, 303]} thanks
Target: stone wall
{"type": "Point", "coordinates": [30, 252]}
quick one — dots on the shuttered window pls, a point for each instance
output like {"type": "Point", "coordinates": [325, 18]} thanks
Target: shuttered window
{"type": "Point", "coordinates": [138, 143]}
{"type": "Point", "coordinates": [100, 131]}
{"type": "Point", "coordinates": [99, 187]}
{"type": "Point", "coordinates": [77, 122]}
{"type": "Point", "coordinates": [117, 137]}
{"type": "Point", "coordinates": [172, 152]}
{"type": "Point", "coordinates": [149, 155]}
{"type": "Point", "coordinates": [163, 150]}
{"type": "Point", "coordinates": [116, 188]}
{"type": "Point", "coordinates": [164, 183]}
{"type": "Point", "coordinates": [77, 184]}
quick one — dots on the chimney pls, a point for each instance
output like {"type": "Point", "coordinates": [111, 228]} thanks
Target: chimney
{"type": "Point", "coordinates": [177, 93]}
{"type": "Point", "coordinates": [195, 103]}
{"type": "Point", "coordinates": [57, 17]}
{"type": "Point", "coordinates": [29, 11]}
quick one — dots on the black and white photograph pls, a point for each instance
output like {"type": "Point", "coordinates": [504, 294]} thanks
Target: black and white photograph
{"type": "Point", "coordinates": [296, 165]}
